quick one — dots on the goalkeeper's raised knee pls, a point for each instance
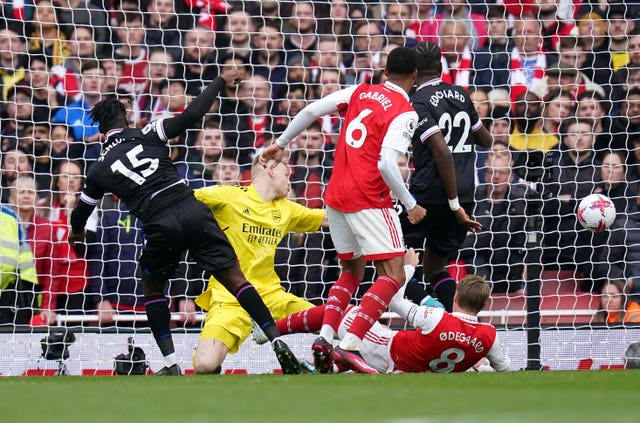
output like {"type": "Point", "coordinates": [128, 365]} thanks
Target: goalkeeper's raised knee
{"type": "Point", "coordinates": [208, 357]}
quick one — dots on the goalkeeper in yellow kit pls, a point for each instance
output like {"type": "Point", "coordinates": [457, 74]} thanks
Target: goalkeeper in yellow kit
{"type": "Point", "coordinates": [255, 218]}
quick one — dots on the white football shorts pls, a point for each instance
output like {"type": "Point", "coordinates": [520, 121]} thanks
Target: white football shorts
{"type": "Point", "coordinates": [376, 345]}
{"type": "Point", "coordinates": [375, 234]}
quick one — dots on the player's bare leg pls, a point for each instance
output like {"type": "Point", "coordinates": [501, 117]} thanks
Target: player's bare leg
{"type": "Point", "coordinates": [209, 356]}
{"type": "Point", "coordinates": [233, 279]}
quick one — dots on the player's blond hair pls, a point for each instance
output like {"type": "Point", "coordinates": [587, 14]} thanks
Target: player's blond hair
{"type": "Point", "coordinates": [473, 292]}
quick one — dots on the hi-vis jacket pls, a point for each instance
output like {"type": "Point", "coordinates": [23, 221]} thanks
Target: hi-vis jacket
{"type": "Point", "coordinates": [16, 258]}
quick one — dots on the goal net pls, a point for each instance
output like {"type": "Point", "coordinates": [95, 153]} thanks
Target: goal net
{"type": "Point", "coordinates": [557, 84]}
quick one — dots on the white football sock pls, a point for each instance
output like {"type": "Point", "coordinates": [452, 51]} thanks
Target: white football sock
{"type": "Point", "coordinates": [350, 342]}
{"type": "Point", "coordinates": [169, 360]}
{"type": "Point", "coordinates": [327, 332]}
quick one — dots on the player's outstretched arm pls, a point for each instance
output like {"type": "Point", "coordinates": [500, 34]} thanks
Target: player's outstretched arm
{"type": "Point", "coordinates": [482, 365]}
{"type": "Point", "coordinates": [466, 221]}
{"type": "Point", "coordinates": [497, 357]}
{"type": "Point", "coordinates": [274, 153]}
{"type": "Point", "coordinates": [411, 259]}
{"type": "Point", "coordinates": [200, 105]}
{"type": "Point", "coordinates": [303, 119]}
{"type": "Point", "coordinates": [411, 288]}
{"type": "Point", "coordinates": [444, 162]}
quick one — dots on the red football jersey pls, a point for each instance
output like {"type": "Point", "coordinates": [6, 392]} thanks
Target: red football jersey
{"type": "Point", "coordinates": [375, 115]}
{"type": "Point", "coordinates": [443, 343]}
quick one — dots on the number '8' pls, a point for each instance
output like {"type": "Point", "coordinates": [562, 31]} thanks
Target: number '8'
{"type": "Point", "coordinates": [449, 358]}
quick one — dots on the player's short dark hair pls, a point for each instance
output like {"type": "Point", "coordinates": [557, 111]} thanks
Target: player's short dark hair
{"type": "Point", "coordinates": [473, 292]}
{"type": "Point", "coordinates": [402, 61]}
{"type": "Point", "coordinates": [429, 58]}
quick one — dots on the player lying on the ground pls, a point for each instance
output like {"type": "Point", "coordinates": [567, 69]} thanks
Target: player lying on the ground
{"type": "Point", "coordinates": [442, 342]}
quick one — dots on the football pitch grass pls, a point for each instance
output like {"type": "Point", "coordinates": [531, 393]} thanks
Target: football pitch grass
{"type": "Point", "coordinates": [576, 396]}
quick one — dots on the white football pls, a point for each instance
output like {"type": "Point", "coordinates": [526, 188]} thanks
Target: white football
{"type": "Point", "coordinates": [596, 212]}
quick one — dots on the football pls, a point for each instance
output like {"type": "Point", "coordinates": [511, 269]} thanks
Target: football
{"type": "Point", "coordinates": [596, 212]}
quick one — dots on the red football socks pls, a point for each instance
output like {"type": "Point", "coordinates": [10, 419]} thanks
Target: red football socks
{"type": "Point", "coordinates": [302, 322]}
{"type": "Point", "coordinates": [373, 304]}
{"type": "Point", "coordinates": [339, 297]}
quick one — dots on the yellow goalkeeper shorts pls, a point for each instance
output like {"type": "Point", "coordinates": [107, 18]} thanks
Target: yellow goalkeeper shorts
{"type": "Point", "coordinates": [231, 324]}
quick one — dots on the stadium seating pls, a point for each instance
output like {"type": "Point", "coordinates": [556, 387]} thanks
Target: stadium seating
{"type": "Point", "coordinates": [562, 303]}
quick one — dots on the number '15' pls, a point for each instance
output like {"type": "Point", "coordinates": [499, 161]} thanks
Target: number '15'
{"type": "Point", "coordinates": [136, 163]}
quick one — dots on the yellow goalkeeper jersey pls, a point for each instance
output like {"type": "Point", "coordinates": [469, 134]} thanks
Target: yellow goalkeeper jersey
{"type": "Point", "coordinates": [254, 228]}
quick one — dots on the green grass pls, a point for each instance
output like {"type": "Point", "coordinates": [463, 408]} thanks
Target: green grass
{"type": "Point", "coordinates": [578, 396]}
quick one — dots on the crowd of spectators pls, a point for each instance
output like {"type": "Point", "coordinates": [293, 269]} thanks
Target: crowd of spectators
{"type": "Point", "coordinates": [562, 77]}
